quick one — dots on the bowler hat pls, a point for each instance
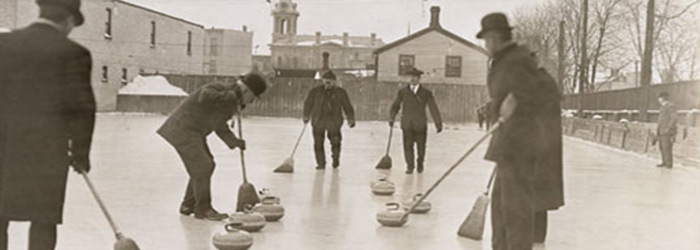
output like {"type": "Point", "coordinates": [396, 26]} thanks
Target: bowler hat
{"type": "Point", "coordinates": [255, 83]}
{"type": "Point", "coordinates": [414, 72]}
{"type": "Point", "coordinates": [493, 21]}
{"type": "Point", "coordinates": [329, 75]}
{"type": "Point", "coordinates": [72, 6]}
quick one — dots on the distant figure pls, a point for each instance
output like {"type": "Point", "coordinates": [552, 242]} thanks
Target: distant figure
{"type": "Point", "coordinates": [481, 115]}
{"type": "Point", "coordinates": [412, 100]}
{"type": "Point", "coordinates": [324, 107]}
{"type": "Point", "coordinates": [206, 110]}
{"type": "Point", "coordinates": [666, 130]}
{"type": "Point", "coordinates": [47, 117]}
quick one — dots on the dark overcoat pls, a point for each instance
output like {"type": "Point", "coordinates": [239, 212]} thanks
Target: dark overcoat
{"type": "Point", "coordinates": [534, 129]}
{"type": "Point", "coordinates": [325, 107]}
{"type": "Point", "coordinates": [413, 109]}
{"type": "Point", "coordinates": [206, 110]}
{"type": "Point", "coordinates": [668, 118]}
{"type": "Point", "coordinates": [47, 102]}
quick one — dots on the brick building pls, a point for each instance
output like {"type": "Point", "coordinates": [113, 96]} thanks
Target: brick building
{"type": "Point", "coordinates": [442, 55]}
{"type": "Point", "coordinates": [290, 50]}
{"type": "Point", "coordinates": [126, 40]}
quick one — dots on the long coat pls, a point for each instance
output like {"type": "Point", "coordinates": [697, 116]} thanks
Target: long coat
{"type": "Point", "coordinates": [206, 110]}
{"type": "Point", "coordinates": [325, 107]}
{"type": "Point", "coordinates": [413, 108]}
{"type": "Point", "coordinates": [534, 130]}
{"type": "Point", "coordinates": [666, 124]}
{"type": "Point", "coordinates": [47, 102]}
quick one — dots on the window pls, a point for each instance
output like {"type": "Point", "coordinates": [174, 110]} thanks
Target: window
{"type": "Point", "coordinates": [284, 26]}
{"type": "Point", "coordinates": [406, 63]}
{"type": "Point", "coordinates": [212, 67]}
{"type": "Point", "coordinates": [108, 25]}
{"type": "Point", "coordinates": [153, 34]}
{"type": "Point", "coordinates": [105, 74]}
{"type": "Point", "coordinates": [125, 76]}
{"type": "Point", "coordinates": [453, 66]}
{"type": "Point", "coordinates": [214, 46]}
{"type": "Point", "coordinates": [189, 43]}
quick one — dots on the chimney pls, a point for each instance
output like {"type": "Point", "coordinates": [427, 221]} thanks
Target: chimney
{"type": "Point", "coordinates": [345, 39]}
{"type": "Point", "coordinates": [245, 28]}
{"type": "Point", "coordinates": [374, 39]}
{"type": "Point", "coordinates": [435, 16]}
{"type": "Point", "coordinates": [318, 37]}
{"type": "Point", "coordinates": [326, 55]}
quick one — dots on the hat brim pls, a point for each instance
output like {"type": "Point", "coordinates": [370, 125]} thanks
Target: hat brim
{"type": "Point", "coordinates": [481, 33]}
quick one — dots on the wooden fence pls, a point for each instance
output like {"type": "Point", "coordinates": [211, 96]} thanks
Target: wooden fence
{"type": "Point", "coordinates": [686, 95]}
{"type": "Point", "coordinates": [370, 98]}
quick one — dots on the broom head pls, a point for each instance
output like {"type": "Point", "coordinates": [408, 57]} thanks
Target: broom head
{"type": "Point", "coordinates": [286, 167]}
{"type": "Point", "coordinates": [473, 226]}
{"type": "Point", "coordinates": [246, 196]}
{"type": "Point", "coordinates": [124, 243]}
{"type": "Point", "coordinates": [384, 163]}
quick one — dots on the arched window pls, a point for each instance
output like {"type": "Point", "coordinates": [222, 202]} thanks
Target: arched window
{"type": "Point", "coordinates": [283, 26]}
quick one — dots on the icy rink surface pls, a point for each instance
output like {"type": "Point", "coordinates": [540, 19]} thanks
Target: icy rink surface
{"type": "Point", "coordinates": [614, 199]}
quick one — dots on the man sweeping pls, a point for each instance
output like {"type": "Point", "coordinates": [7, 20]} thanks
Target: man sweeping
{"type": "Point", "coordinates": [47, 117]}
{"type": "Point", "coordinates": [516, 95]}
{"type": "Point", "coordinates": [207, 110]}
{"type": "Point", "coordinates": [412, 100]}
{"type": "Point", "coordinates": [324, 107]}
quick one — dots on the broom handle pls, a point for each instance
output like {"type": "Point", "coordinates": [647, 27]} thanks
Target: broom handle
{"type": "Point", "coordinates": [240, 135]}
{"type": "Point", "coordinates": [388, 144]}
{"type": "Point", "coordinates": [102, 206]}
{"type": "Point", "coordinates": [450, 170]}
{"type": "Point", "coordinates": [298, 141]}
{"type": "Point", "coordinates": [493, 175]}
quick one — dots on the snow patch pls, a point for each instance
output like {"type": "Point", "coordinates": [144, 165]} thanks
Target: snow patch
{"type": "Point", "coordinates": [151, 85]}
{"type": "Point", "coordinates": [4, 30]}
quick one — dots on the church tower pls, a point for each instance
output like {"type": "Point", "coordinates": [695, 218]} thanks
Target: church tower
{"type": "Point", "coordinates": [285, 21]}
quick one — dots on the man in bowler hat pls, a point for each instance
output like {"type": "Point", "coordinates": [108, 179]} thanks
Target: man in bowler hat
{"type": "Point", "coordinates": [412, 100]}
{"type": "Point", "coordinates": [518, 99]}
{"type": "Point", "coordinates": [47, 115]}
{"type": "Point", "coordinates": [666, 129]}
{"type": "Point", "coordinates": [324, 107]}
{"type": "Point", "coordinates": [206, 110]}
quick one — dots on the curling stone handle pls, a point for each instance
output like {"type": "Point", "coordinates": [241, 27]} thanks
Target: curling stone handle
{"type": "Point", "coordinates": [233, 227]}
{"type": "Point", "coordinates": [393, 206]}
{"type": "Point", "coordinates": [417, 196]}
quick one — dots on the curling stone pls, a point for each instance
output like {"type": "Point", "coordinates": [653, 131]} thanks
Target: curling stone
{"type": "Point", "coordinates": [393, 216]}
{"type": "Point", "coordinates": [422, 208]}
{"type": "Point", "coordinates": [250, 221]}
{"type": "Point", "coordinates": [265, 194]}
{"type": "Point", "coordinates": [270, 209]}
{"type": "Point", "coordinates": [383, 187]}
{"type": "Point", "coordinates": [233, 238]}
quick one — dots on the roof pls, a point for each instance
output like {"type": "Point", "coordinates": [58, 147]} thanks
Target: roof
{"type": "Point", "coordinates": [427, 30]}
{"type": "Point", "coordinates": [159, 13]}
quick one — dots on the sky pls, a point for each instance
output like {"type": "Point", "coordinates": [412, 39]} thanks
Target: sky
{"type": "Point", "coordinates": [390, 19]}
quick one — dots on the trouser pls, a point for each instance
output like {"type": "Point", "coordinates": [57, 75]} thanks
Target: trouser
{"type": "Point", "coordinates": [512, 208]}
{"type": "Point", "coordinates": [540, 233]}
{"type": "Point", "coordinates": [199, 164]}
{"type": "Point", "coordinates": [481, 121]}
{"type": "Point", "coordinates": [42, 236]}
{"type": "Point", "coordinates": [334, 136]}
{"type": "Point", "coordinates": [410, 137]}
{"type": "Point", "coordinates": [666, 149]}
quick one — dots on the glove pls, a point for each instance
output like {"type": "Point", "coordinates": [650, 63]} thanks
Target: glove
{"type": "Point", "coordinates": [306, 120]}
{"type": "Point", "coordinates": [239, 144]}
{"type": "Point", "coordinates": [351, 123]}
{"type": "Point", "coordinates": [391, 123]}
{"type": "Point", "coordinates": [80, 164]}
{"type": "Point", "coordinates": [439, 128]}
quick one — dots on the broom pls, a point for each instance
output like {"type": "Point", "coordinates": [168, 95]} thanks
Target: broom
{"type": "Point", "coordinates": [385, 162]}
{"type": "Point", "coordinates": [123, 243]}
{"type": "Point", "coordinates": [430, 190]}
{"type": "Point", "coordinates": [287, 165]}
{"type": "Point", "coordinates": [246, 192]}
{"type": "Point", "coordinates": [473, 225]}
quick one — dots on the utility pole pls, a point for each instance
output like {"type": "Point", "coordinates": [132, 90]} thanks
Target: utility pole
{"type": "Point", "coordinates": [584, 56]}
{"type": "Point", "coordinates": [560, 57]}
{"type": "Point", "coordinates": [647, 60]}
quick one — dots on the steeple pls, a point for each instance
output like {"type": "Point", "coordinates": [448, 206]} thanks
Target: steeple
{"type": "Point", "coordinates": [285, 21]}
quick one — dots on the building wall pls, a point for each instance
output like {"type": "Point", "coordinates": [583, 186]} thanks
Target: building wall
{"type": "Point", "coordinates": [228, 52]}
{"type": "Point", "coordinates": [310, 57]}
{"type": "Point", "coordinates": [129, 47]}
{"type": "Point", "coordinates": [430, 51]}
